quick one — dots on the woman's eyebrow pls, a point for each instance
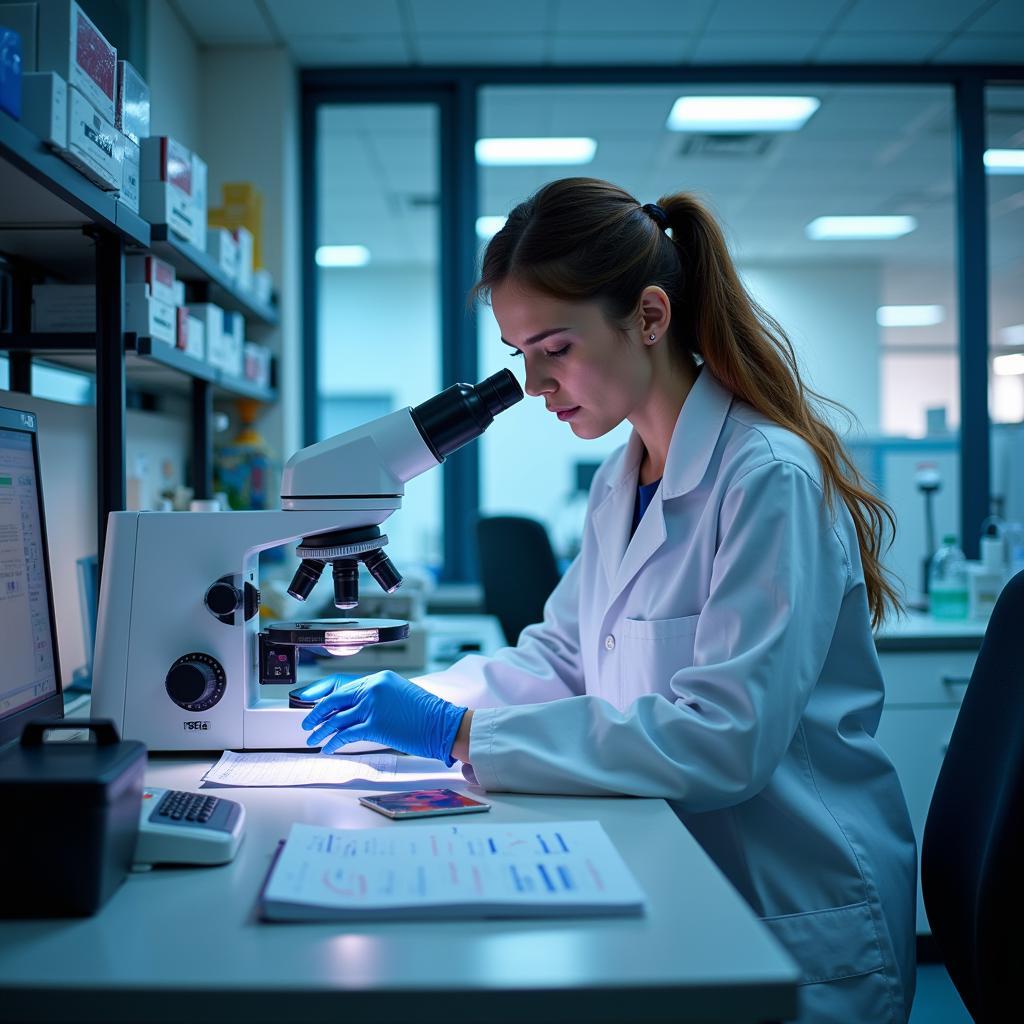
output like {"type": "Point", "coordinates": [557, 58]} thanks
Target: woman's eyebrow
{"type": "Point", "coordinates": [539, 337]}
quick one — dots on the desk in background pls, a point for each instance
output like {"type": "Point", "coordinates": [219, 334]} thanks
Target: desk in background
{"type": "Point", "coordinates": [185, 945]}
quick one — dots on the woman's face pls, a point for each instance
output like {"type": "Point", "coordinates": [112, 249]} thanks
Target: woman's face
{"type": "Point", "coordinates": [588, 373]}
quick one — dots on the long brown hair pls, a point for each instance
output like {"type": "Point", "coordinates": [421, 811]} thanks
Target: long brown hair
{"type": "Point", "coordinates": [581, 239]}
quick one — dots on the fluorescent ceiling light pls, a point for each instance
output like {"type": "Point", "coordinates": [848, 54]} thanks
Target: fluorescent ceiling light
{"type": "Point", "coordinates": [504, 152]}
{"type": "Point", "coordinates": [342, 256]}
{"type": "Point", "coordinates": [909, 316]}
{"type": "Point", "coordinates": [489, 225]}
{"type": "Point", "coordinates": [741, 113]}
{"type": "Point", "coordinates": [1012, 335]}
{"type": "Point", "coordinates": [1004, 161]}
{"type": "Point", "coordinates": [1006, 366]}
{"type": "Point", "coordinates": [825, 228]}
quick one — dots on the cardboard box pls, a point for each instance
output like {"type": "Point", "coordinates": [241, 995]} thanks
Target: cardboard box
{"type": "Point", "coordinates": [262, 286]}
{"type": "Point", "coordinates": [23, 19]}
{"type": "Point", "coordinates": [179, 293]}
{"type": "Point", "coordinates": [244, 241]}
{"type": "Point", "coordinates": [147, 316]}
{"type": "Point", "coordinates": [92, 143]}
{"type": "Point", "coordinates": [129, 194]}
{"type": "Point", "coordinates": [198, 237]}
{"type": "Point", "coordinates": [196, 342]}
{"type": "Point", "coordinates": [10, 72]}
{"type": "Point", "coordinates": [257, 363]}
{"type": "Point", "coordinates": [64, 308]}
{"type": "Point", "coordinates": [158, 277]}
{"type": "Point", "coordinates": [131, 104]}
{"type": "Point", "coordinates": [226, 350]}
{"type": "Point", "coordinates": [222, 247]}
{"type": "Point", "coordinates": [242, 207]}
{"type": "Point", "coordinates": [166, 189]}
{"type": "Point", "coordinates": [70, 44]}
{"type": "Point", "coordinates": [44, 107]}
{"type": "Point", "coordinates": [211, 317]}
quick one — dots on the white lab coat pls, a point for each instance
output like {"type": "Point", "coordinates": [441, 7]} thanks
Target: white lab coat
{"type": "Point", "coordinates": [722, 659]}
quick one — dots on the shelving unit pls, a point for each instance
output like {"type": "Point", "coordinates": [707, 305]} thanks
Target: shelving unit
{"type": "Point", "coordinates": [55, 222]}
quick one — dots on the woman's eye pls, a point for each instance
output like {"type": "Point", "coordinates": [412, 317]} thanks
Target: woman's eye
{"type": "Point", "coordinates": [514, 354]}
{"type": "Point", "coordinates": [559, 351]}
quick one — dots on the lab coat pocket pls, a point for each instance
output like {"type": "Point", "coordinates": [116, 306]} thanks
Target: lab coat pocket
{"type": "Point", "coordinates": [840, 942]}
{"type": "Point", "coordinates": [653, 651]}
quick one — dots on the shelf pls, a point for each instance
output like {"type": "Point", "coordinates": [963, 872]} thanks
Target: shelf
{"type": "Point", "coordinates": [194, 265]}
{"type": "Point", "coordinates": [40, 191]}
{"type": "Point", "coordinates": [149, 365]}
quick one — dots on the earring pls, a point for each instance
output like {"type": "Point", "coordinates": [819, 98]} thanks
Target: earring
{"type": "Point", "coordinates": [653, 337]}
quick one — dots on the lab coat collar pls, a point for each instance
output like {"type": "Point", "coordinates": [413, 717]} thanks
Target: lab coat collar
{"type": "Point", "coordinates": [693, 442]}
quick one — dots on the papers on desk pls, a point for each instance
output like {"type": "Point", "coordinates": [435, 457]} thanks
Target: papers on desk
{"type": "Point", "coordinates": [546, 869]}
{"type": "Point", "coordinates": [270, 769]}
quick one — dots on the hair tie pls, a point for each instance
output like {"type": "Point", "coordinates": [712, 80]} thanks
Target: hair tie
{"type": "Point", "coordinates": [657, 214]}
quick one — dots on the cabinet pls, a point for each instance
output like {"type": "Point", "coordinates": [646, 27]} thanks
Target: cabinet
{"type": "Point", "coordinates": [55, 223]}
{"type": "Point", "coordinates": [926, 666]}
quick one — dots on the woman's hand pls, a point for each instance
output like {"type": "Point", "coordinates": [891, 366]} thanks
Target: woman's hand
{"type": "Point", "coordinates": [388, 709]}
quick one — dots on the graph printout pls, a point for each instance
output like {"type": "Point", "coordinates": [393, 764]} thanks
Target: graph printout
{"type": "Point", "coordinates": [455, 870]}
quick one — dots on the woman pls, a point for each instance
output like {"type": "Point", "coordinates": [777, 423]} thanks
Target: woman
{"type": "Point", "coordinates": [712, 644]}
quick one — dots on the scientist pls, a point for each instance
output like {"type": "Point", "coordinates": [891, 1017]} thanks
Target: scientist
{"type": "Point", "coordinates": [712, 642]}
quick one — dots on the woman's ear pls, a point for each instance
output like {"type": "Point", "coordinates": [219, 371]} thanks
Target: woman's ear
{"type": "Point", "coordinates": [655, 314]}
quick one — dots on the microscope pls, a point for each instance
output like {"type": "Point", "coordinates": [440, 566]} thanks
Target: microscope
{"type": "Point", "coordinates": [181, 661]}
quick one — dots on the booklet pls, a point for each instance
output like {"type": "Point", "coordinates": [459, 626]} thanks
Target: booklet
{"type": "Point", "coordinates": [544, 869]}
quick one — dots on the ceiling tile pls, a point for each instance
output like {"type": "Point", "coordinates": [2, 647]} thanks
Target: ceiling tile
{"type": "Point", "coordinates": [474, 17]}
{"type": "Point", "coordinates": [228, 22]}
{"type": "Point", "coordinates": [754, 47]}
{"type": "Point", "coordinates": [910, 15]}
{"type": "Point", "coordinates": [350, 51]}
{"type": "Point", "coordinates": [983, 49]}
{"type": "Point", "coordinates": [332, 17]}
{"type": "Point", "coordinates": [777, 16]}
{"type": "Point", "coordinates": [653, 17]}
{"type": "Point", "coordinates": [1004, 16]}
{"type": "Point", "coordinates": [619, 48]}
{"type": "Point", "coordinates": [873, 48]}
{"type": "Point", "coordinates": [489, 48]}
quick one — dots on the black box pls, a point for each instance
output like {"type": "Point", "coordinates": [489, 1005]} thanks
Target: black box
{"type": "Point", "coordinates": [71, 820]}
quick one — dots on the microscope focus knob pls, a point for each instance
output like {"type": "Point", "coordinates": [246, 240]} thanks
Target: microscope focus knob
{"type": "Point", "coordinates": [195, 682]}
{"type": "Point", "coordinates": [223, 598]}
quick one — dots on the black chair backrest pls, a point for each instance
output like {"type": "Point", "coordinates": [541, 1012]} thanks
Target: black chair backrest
{"type": "Point", "coordinates": [972, 855]}
{"type": "Point", "coordinates": [517, 568]}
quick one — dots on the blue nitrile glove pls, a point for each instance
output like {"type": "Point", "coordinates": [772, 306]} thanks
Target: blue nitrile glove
{"type": "Point", "coordinates": [385, 708]}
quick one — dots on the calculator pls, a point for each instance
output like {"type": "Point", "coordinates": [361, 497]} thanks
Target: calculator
{"type": "Point", "coordinates": [178, 827]}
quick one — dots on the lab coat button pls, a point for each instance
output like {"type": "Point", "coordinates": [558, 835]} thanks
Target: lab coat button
{"type": "Point", "coordinates": [609, 643]}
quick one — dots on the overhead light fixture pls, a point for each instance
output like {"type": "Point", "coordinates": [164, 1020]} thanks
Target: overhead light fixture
{"type": "Point", "coordinates": [342, 256]}
{"type": "Point", "coordinates": [909, 316]}
{"type": "Point", "coordinates": [489, 225]}
{"type": "Point", "coordinates": [1007, 366]}
{"type": "Point", "coordinates": [741, 113]}
{"type": "Point", "coordinates": [830, 228]}
{"type": "Point", "coordinates": [1004, 161]}
{"type": "Point", "coordinates": [524, 152]}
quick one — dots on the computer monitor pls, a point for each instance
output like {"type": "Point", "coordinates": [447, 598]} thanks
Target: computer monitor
{"type": "Point", "coordinates": [29, 668]}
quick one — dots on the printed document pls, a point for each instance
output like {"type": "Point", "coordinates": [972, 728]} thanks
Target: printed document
{"type": "Point", "coordinates": [270, 769]}
{"type": "Point", "coordinates": [546, 869]}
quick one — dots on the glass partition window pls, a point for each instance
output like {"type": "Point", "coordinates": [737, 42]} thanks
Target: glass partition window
{"type": "Point", "coordinates": [379, 317]}
{"type": "Point", "coordinates": [1004, 177]}
{"type": "Point", "coordinates": [870, 305]}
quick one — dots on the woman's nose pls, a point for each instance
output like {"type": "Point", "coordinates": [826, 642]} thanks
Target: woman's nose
{"type": "Point", "coordinates": [537, 384]}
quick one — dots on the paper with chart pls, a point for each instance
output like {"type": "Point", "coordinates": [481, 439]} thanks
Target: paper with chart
{"type": "Point", "coordinates": [271, 769]}
{"type": "Point", "coordinates": [567, 868]}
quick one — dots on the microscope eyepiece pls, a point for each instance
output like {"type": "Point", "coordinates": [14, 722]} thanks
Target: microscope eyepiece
{"type": "Point", "coordinates": [461, 413]}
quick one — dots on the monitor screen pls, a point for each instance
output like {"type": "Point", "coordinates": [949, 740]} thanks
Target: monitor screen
{"type": "Point", "coordinates": [30, 674]}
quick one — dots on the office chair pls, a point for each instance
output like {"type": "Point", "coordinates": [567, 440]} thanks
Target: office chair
{"type": "Point", "coordinates": [972, 854]}
{"type": "Point", "coordinates": [517, 569]}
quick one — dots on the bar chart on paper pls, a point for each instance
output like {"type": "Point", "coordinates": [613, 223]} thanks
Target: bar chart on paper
{"type": "Point", "coordinates": [516, 870]}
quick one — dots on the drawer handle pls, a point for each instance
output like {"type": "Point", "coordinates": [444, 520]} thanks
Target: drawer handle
{"type": "Point", "coordinates": [955, 680]}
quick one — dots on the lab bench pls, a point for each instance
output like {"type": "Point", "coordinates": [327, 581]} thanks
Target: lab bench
{"type": "Point", "coordinates": [926, 664]}
{"type": "Point", "coordinates": [177, 944]}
